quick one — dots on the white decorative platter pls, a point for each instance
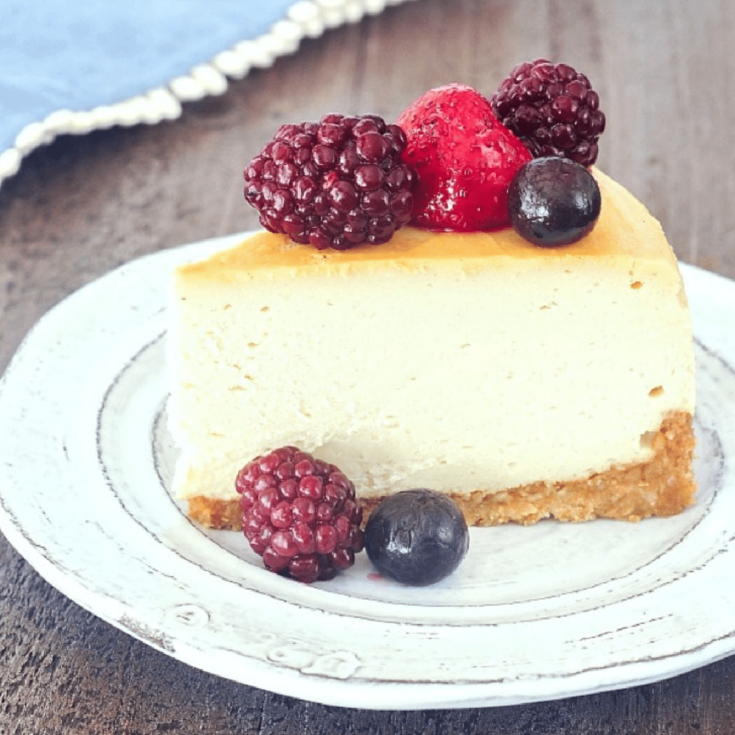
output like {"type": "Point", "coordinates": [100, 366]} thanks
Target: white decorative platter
{"type": "Point", "coordinates": [536, 613]}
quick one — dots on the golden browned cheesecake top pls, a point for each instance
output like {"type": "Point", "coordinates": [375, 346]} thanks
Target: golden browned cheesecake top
{"type": "Point", "coordinates": [625, 229]}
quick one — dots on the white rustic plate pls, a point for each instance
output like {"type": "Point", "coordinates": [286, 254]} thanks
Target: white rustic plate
{"type": "Point", "coordinates": [534, 613]}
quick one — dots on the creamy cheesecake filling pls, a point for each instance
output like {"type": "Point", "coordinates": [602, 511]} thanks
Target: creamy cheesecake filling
{"type": "Point", "coordinates": [456, 362]}
{"type": "Point", "coordinates": [401, 382]}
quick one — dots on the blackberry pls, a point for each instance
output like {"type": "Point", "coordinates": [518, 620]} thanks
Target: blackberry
{"type": "Point", "coordinates": [338, 183]}
{"type": "Point", "coordinates": [299, 514]}
{"type": "Point", "coordinates": [553, 109]}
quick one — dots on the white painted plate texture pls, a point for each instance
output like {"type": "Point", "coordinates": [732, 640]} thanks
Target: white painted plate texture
{"type": "Point", "coordinates": [536, 613]}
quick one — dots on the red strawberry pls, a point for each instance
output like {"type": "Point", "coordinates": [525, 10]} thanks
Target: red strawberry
{"type": "Point", "coordinates": [464, 157]}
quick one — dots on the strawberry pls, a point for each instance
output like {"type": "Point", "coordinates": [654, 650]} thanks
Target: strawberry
{"type": "Point", "coordinates": [464, 157]}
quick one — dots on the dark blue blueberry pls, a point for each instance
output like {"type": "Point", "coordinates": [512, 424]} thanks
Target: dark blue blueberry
{"type": "Point", "coordinates": [553, 201]}
{"type": "Point", "coordinates": [417, 537]}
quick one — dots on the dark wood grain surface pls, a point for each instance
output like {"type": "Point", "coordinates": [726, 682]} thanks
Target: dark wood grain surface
{"type": "Point", "coordinates": [83, 205]}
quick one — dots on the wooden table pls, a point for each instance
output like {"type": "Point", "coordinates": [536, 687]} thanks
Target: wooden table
{"type": "Point", "coordinates": [83, 205]}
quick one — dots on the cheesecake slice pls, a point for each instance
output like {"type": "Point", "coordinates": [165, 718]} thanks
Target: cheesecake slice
{"type": "Point", "coordinates": [524, 382]}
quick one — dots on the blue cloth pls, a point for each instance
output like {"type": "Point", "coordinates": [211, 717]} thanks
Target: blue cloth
{"type": "Point", "coordinates": [79, 54]}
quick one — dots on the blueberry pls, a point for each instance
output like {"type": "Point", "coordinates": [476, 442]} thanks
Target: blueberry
{"type": "Point", "coordinates": [553, 201]}
{"type": "Point", "coordinates": [416, 537]}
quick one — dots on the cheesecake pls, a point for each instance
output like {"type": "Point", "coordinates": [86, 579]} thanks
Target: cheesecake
{"type": "Point", "coordinates": [524, 382]}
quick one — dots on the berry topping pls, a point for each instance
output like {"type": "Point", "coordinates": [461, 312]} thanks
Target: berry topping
{"type": "Point", "coordinates": [553, 109]}
{"type": "Point", "coordinates": [553, 201]}
{"type": "Point", "coordinates": [337, 183]}
{"type": "Point", "coordinates": [464, 158]}
{"type": "Point", "coordinates": [300, 514]}
{"type": "Point", "coordinates": [417, 537]}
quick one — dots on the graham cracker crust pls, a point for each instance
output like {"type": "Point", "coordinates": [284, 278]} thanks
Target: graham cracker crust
{"type": "Point", "coordinates": [213, 513]}
{"type": "Point", "coordinates": [663, 486]}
